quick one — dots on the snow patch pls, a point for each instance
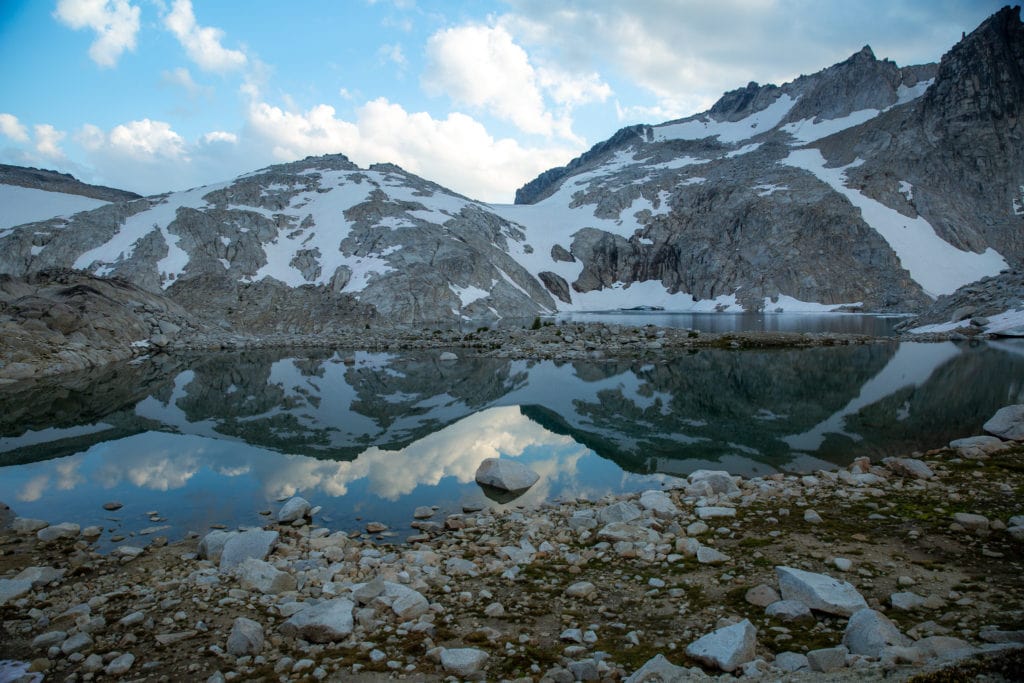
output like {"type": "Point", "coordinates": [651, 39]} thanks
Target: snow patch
{"type": "Point", "coordinates": [468, 295]}
{"type": "Point", "coordinates": [996, 323]}
{"type": "Point", "coordinates": [907, 190]}
{"type": "Point", "coordinates": [727, 131]}
{"type": "Point", "coordinates": [908, 94]}
{"type": "Point", "coordinates": [810, 130]}
{"type": "Point", "coordinates": [935, 264]}
{"type": "Point", "coordinates": [19, 205]}
{"type": "Point", "coordinates": [767, 189]}
{"type": "Point", "coordinates": [787, 304]}
{"type": "Point", "coordinates": [745, 149]}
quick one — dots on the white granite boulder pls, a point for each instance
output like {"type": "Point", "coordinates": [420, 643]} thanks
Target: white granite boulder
{"type": "Point", "coordinates": [717, 481]}
{"type": "Point", "coordinates": [463, 661]}
{"type": "Point", "coordinates": [1007, 423]}
{"type": "Point", "coordinates": [241, 546]}
{"type": "Point", "coordinates": [505, 475]}
{"type": "Point", "coordinates": [294, 509]}
{"type": "Point", "coordinates": [819, 591]}
{"type": "Point", "coordinates": [325, 622]}
{"type": "Point", "coordinates": [727, 648]}
{"type": "Point", "coordinates": [246, 638]}
{"type": "Point", "coordinates": [623, 511]}
{"type": "Point", "coordinates": [257, 575]}
{"type": "Point", "coordinates": [868, 632]}
{"type": "Point", "coordinates": [660, 503]}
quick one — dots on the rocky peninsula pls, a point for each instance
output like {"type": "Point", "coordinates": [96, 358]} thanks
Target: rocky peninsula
{"type": "Point", "coordinates": [907, 569]}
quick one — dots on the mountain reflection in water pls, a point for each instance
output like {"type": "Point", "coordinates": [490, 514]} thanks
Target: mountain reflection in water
{"type": "Point", "coordinates": [218, 437]}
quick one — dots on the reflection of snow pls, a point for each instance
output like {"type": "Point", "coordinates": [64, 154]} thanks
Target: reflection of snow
{"type": "Point", "coordinates": [455, 451]}
{"type": "Point", "coordinates": [912, 365]}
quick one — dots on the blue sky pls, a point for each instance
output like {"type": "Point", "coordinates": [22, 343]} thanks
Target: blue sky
{"type": "Point", "coordinates": [160, 95]}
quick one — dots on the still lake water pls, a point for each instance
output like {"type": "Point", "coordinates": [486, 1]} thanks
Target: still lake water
{"type": "Point", "coordinates": [217, 438]}
{"type": "Point", "coordinates": [836, 323]}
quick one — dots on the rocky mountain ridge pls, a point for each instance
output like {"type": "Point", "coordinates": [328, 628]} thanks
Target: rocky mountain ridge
{"type": "Point", "coordinates": [865, 186]}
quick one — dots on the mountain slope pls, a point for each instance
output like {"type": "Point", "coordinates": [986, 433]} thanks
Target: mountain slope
{"type": "Point", "coordinates": [30, 194]}
{"type": "Point", "coordinates": [865, 184]}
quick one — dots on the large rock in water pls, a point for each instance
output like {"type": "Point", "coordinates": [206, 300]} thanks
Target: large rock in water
{"type": "Point", "coordinates": [819, 591]}
{"type": "Point", "coordinates": [1007, 423]}
{"type": "Point", "coordinates": [325, 622]}
{"type": "Point", "coordinates": [506, 475]}
{"type": "Point", "coordinates": [727, 648]}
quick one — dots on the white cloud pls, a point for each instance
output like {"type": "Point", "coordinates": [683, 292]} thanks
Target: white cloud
{"type": "Point", "coordinates": [220, 136]}
{"type": "Point", "coordinates": [202, 43]}
{"type": "Point", "coordinates": [392, 53]}
{"type": "Point", "coordinates": [182, 78]}
{"type": "Point", "coordinates": [48, 141]}
{"type": "Point", "coordinates": [116, 23]}
{"type": "Point", "coordinates": [483, 67]}
{"type": "Point", "coordinates": [147, 139]}
{"type": "Point", "coordinates": [456, 151]}
{"type": "Point", "coordinates": [12, 128]}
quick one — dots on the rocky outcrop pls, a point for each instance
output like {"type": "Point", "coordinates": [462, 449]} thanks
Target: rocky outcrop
{"type": "Point", "coordinates": [53, 181]}
{"type": "Point", "coordinates": [59, 321]}
{"type": "Point", "coordinates": [974, 305]}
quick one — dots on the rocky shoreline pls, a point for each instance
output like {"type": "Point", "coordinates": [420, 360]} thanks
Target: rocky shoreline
{"type": "Point", "coordinates": [878, 571]}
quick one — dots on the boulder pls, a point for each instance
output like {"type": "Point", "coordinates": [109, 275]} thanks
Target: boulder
{"type": "Point", "coordinates": [657, 669]}
{"type": "Point", "coordinates": [212, 544]}
{"type": "Point", "coordinates": [622, 511]}
{"type": "Point", "coordinates": [324, 622]}
{"type": "Point", "coordinates": [819, 591]}
{"type": "Point", "coordinates": [40, 576]}
{"type": "Point", "coordinates": [295, 508]}
{"type": "Point", "coordinates": [254, 543]}
{"type": "Point", "coordinates": [660, 503]}
{"type": "Point", "coordinates": [27, 525]}
{"type": "Point", "coordinates": [463, 661]}
{"type": "Point", "coordinates": [262, 576]}
{"type": "Point", "coordinates": [447, 357]}
{"type": "Point", "coordinates": [12, 589]}
{"type": "Point", "coordinates": [408, 603]}
{"type": "Point", "coordinates": [58, 531]}
{"type": "Point", "coordinates": [909, 467]}
{"type": "Point", "coordinates": [791, 662]}
{"type": "Point", "coordinates": [580, 589]}
{"type": "Point", "coordinates": [120, 665]}
{"type": "Point", "coordinates": [505, 475]}
{"type": "Point", "coordinates": [971, 522]}
{"type": "Point", "coordinates": [869, 631]}
{"type": "Point", "coordinates": [246, 638]}
{"type": "Point", "coordinates": [1007, 423]}
{"type": "Point", "coordinates": [827, 659]}
{"type": "Point", "coordinates": [623, 531]}
{"type": "Point", "coordinates": [718, 481]}
{"type": "Point", "coordinates": [906, 601]}
{"type": "Point", "coordinates": [726, 648]}
{"type": "Point", "coordinates": [762, 595]}
{"type": "Point", "coordinates": [789, 610]}
{"type": "Point", "coordinates": [712, 512]}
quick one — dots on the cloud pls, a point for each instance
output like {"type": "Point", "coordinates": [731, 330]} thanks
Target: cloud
{"type": "Point", "coordinates": [47, 141]}
{"type": "Point", "coordinates": [392, 53]}
{"type": "Point", "coordinates": [484, 68]}
{"type": "Point", "coordinates": [145, 156]}
{"type": "Point", "coordinates": [182, 78]}
{"type": "Point", "coordinates": [202, 43]}
{"type": "Point", "coordinates": [216, 136]}
{"type": "Point", "coordinates": [456, 151]}
{"type": "Point", "coordinates": [147, 139]}
{"type": "Point", "coordinates": [116, 23]}
{"type": "Point", "coordinates": [12, 128]}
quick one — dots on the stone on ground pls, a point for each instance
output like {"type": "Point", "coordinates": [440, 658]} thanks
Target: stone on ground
{"type": "Point", "coordinates": [869, 631]}
{"type": "Point", "coordinates": [463, 661]}
{"type": "Point", "coordinates": [789, 610]}
{"type": "Point", "coordinates": [1007, 423]}
{"type": "Point", "coordinates": [827, 659]}
{"type": "Point", "coordinates": [762, 595]}
{"type": "Point", "coordinates": [264, 577]}
{"type": "Point", "coordinates": [12, 589]}
{"type": "Point", "coordinates": [909, 467]}
{"type": "Point", "coordinates": [726, 648]}
{"type": "Point", "coordinates": [506, 475]}
{"type": "Point", "coordinates": [660, 503]}
{"type": "Point", "coordinates": [252, 543]}
{"type": "Point", "coordinates": [819, 591]}
{"type": "Point", "coordinates": [718, 481]}
{"type": "Point", "coordinates": [791, 662]}
{"type": "Point", "coordinates": [246, 638]}
{"type": "Point", "coordinates": [325, 622]}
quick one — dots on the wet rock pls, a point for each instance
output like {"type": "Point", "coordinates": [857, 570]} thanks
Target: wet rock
{"type": "Point", "coordinates": [869, 631]}
{"type": "Point", "coordinates": [325, 622]}
{"type": "Point", "coordinates": [246, 637]}
{"type": "Point", "coordinates": [1007, 423]}
{"type": "Point", "coordinates": [819, 591]}
{"type": "Point", "coordinates": [63, 530]}
{"type": "Point", "coordinates": [463, 661]}
{"type": "Point", "coordinates": [505, 475]}
{"type": "Point", "coordinates": [295, 508]}
{"type": "Point", "coordinates": [726, 648]}
{"type": "Point", "coordinates": [112, 506]}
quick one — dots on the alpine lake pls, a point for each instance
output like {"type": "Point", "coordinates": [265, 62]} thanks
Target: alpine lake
{"type": "Point", "coordinates": [193, 441]}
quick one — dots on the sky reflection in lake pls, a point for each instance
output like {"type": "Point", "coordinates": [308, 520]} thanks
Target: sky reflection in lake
{"type": "Point", "coordinates": [220, 437]}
